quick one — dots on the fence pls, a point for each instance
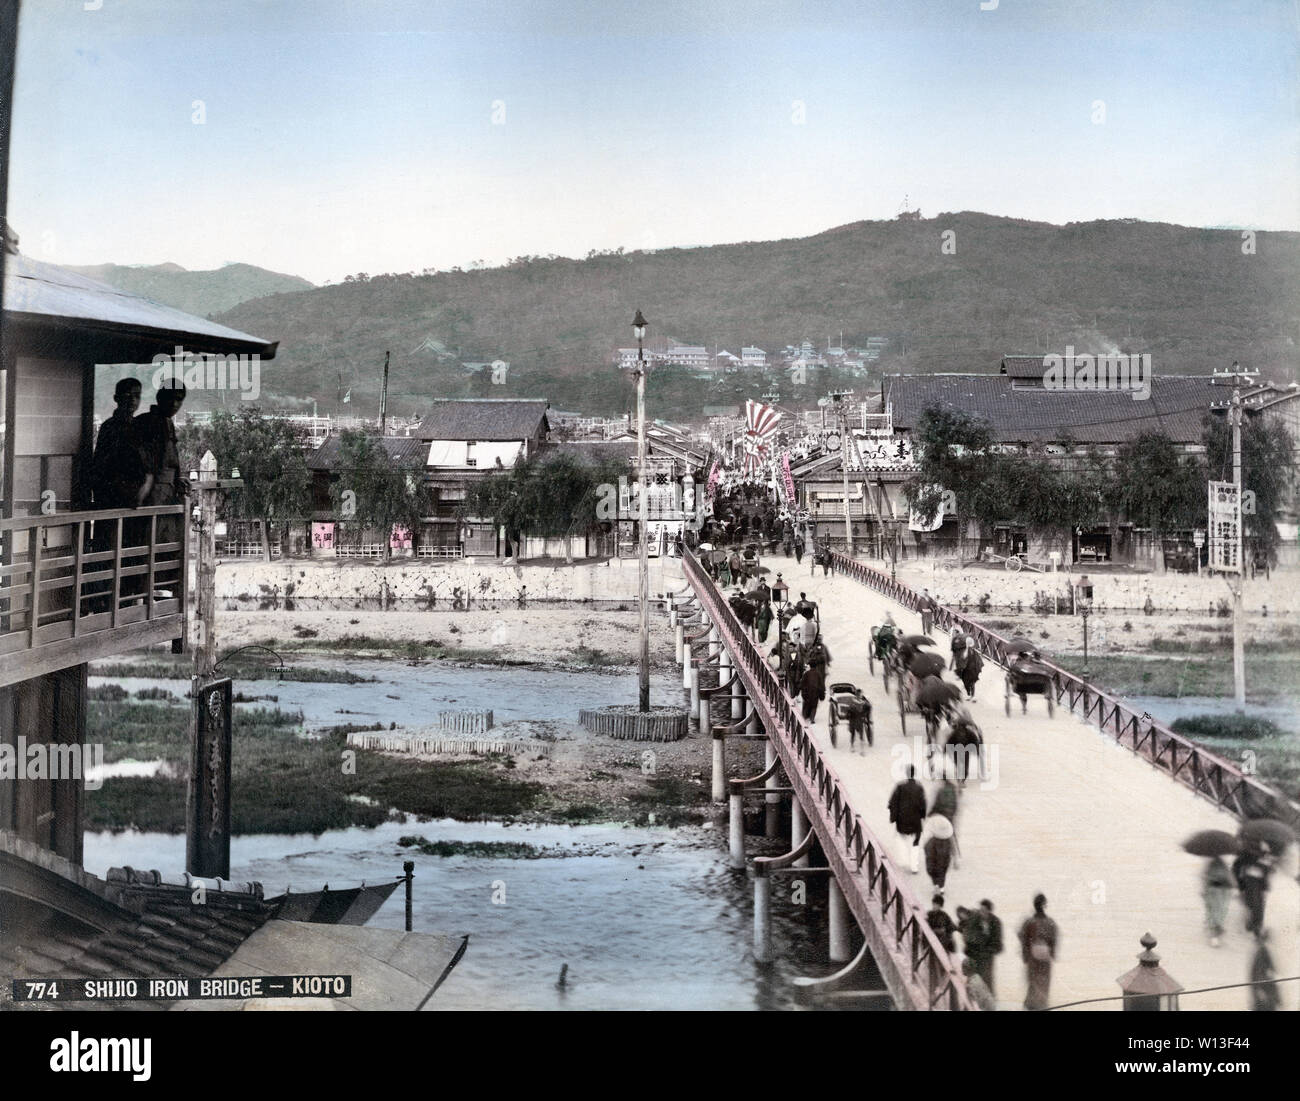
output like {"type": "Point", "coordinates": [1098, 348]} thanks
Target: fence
{"type": "Point", "coordinates": [433, 744]}
{"type": "Point", "coordinates": [69, 579]}
{"type": "Point", "coordinates": [903, 945]}
{"type": "Point", "coordinates": [1206, 773]}
{"type": "Point", "coordinates": [465, 722]}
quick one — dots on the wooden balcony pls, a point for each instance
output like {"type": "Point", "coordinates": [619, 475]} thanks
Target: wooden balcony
{"type": "Point", "coordinates": [79, 586]}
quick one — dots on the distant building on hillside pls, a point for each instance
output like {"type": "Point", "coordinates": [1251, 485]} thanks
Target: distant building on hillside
{"type": "Point", "coordinates": [753, 357]}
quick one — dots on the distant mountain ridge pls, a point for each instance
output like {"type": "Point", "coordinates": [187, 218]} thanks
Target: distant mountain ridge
{"type": "Point", "coordinates": [197, 292]}
{"type": "Point", "coordinates": [950, 293]}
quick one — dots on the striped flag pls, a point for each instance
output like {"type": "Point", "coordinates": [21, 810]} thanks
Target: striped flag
{"type": "Point", "coordinates": [760, 424]}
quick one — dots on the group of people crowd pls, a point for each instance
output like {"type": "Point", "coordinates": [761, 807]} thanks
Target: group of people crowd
{"type": "Point", "coordinates": [802, 660]}
{"type": "Point", "coordinates": [136, 464]}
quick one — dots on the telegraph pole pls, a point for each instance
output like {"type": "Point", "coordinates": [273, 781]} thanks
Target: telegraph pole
{"type": "Point", "coordinates": [837, 397]}
{"type": "Point", "coordinates": [643, 565]}
{"type": "Point", "coordinates": [383, 399]}
{"type": "Point", "coordinates": [1235, 416]}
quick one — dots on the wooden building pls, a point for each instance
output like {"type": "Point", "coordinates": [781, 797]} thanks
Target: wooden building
{"type": "Point", "coordinates": [64, 603]}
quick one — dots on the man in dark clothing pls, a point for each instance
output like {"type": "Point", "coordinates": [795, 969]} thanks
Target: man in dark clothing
{"type": "Point", "coordinates": [943, 926]}
{"type": "Point", "coordinates": [993, 942]}
{"type": "Point", "coordinates": [907, 813]}
{"type": "Point", "coordinates": [927, 608]}
{"type": "Point", "coordinates": [1264, 994]}
{"type": "Point", "coordinates": [812, 688]}
{"type": "Point", "coordinates": [120, 478]}
{"type": "Point", "coordinates": [157, 436]}
{"type": "Point", "coordinates": [1251, 870]}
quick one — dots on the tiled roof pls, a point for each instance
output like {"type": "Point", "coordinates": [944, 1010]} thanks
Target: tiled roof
{"type": "Point", "coordinates": [483, 419]}
{"type": "Point", "coordinates": [129, 926]}
{"type": "Point", "coordinates": [1177, 406]}
{"type": "Point", "coordinates": [402, 449]}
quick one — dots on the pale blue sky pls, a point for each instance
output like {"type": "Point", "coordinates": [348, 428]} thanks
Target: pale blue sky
{"type": "Point", "coordinates": [359, 136]}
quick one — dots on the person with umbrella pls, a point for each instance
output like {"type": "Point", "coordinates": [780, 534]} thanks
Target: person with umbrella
{"type": "Point", "coordinates": [907, 813]}
{"type": "Point", "coordinates": [1251, 871]}
{"type": "Point", "coordinates": [1216, 890]}
{"type": "Point", "coordinates": [1217, 879]}
{"type": "Point", "coordinates": [938, 850]}
{"type": "Point", "coordinates": [1039, 937]}
{"type": "Point", "coordinates": [965, 745]}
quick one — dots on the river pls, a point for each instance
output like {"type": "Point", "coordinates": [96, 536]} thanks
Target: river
{"type": "Point", "coordinates": [645, 919]}
{"type": "Point", "coordinates": [649, 918]}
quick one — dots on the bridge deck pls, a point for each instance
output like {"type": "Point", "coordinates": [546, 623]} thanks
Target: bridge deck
{"type": "Point", "coordinates": [1066, 812]}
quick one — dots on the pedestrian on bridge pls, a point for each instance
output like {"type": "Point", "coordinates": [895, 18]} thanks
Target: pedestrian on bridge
{"type": "Point", "coordinates": [1038, 939]}
{"type": "Point", "coordinates": [942, 924]}
{"type": "Point", "coordinates": [977, 988]}
{"type": "Point", "coordinates": [907, 813]}
{"type": "Point", "coordinates": [993, 944]}
{"type": "Point", "coordinates": [1251, 870]}
{"type": "Point", "coordinates": [763, 621]}
{"type": "Point", "coordinates": [813, 689]}
{"type": "Point", "coordinates": [938, 850]}
{"type": "Point", "coordinates": [927, 609]}
{"type": "Point", "coordinates": [1217, 892]}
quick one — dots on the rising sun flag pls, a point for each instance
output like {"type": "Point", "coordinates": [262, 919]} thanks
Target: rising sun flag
{"type": "Point", "coordinates": [760, 425]}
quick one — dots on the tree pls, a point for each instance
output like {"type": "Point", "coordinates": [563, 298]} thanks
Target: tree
{"type": "Point", "coordinates": [553, 496]}
{"type": "Point", "coordinates": [384, 491]}
{"type": "Point", "coordinates": [1159, 485]}
{"type": "Point", "coordinates": [269, 453]}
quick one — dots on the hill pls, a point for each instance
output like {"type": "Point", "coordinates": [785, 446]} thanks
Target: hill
{"type": "Point", "coordinates": [1191, 297]}
{"type": "Point", "coordinates": [197, 292]}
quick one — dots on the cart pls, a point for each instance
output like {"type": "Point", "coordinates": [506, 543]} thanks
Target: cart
{"type": "Point", "coordinates": [1014, 563]}
{"type": "Point", "coordinates": [845, 701]}
{"type": "Point", "coordinates": [1027, 676]}
{"type": "Point", "coordinates": [909, 687]}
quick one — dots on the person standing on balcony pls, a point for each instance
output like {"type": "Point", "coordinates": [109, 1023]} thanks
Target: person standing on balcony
{"type": "Point", "coordinates": [157, 435]}
{"type": "Point", "coordinates": [120, 478]}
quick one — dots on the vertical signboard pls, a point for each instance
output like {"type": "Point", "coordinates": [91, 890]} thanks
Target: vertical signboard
{"type": "Point", "coordinates": [1225, 527]}
{"type": "Point", "coordinates": [787, 479]}
{"type": "Point", "coordinates": [207, 841]}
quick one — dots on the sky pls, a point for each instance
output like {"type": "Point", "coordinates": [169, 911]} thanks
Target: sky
{"type": "Point", "coordinates": [328, 137]}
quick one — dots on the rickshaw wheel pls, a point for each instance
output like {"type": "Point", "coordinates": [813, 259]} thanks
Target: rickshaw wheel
{"type": "Point", "coordinates": [902, 709]}
{"type": "Point", "coordinates": [1007, 697]}
{"type": "Point", "coordinates": [1051, 705]}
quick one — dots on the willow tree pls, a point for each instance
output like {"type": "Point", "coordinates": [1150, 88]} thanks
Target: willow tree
{"type": "Point", "coordinates": [270, 454]}
{"type": "Point", "coordinates": [384, 491]}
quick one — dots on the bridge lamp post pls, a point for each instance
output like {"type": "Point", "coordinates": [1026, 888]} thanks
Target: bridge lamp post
{"type": "Point", "coordinates": [1085, 610]}
{"type": "Point", "coordinates": [643, 564]}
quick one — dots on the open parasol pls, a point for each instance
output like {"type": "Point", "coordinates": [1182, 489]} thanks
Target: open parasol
{"type": "Point", "coordinates": [1211, 843]}
{"type": "Point", "coordinates": [1277, 835]}
{"type": "Point", "coordinates": [1019, 645]}
{"type": "Point", "coordinates": [706, 546]}
{"type": "Point", "coordinates": [925, 665]}
{"type": "Point", "coordinates": [917, 640]}
{"type": "Point", "coordinates": [936, 693]}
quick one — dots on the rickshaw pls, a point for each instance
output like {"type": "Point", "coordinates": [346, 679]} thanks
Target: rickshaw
{"type": "Point", "coordinates": [922, 690]}
{"type": "Point", "coordinates": [847, 705]}
{"type": "Point", "coordinates": [1027, 675]}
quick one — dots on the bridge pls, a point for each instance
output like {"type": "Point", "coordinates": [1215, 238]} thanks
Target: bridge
{"type": "Point", "coordinates": [1089, 807]}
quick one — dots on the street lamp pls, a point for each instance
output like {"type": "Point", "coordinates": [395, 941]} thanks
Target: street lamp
{"type": "Point", "coordinates": [643, 565]}
{"type": "Point", "coordinates": [1084, 601]}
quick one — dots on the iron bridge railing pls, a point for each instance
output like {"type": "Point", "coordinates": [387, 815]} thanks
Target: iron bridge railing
{"type": "Point", "coordinates": [891, 918]}
{"type": "Point", "coordinates": [1209, 775]}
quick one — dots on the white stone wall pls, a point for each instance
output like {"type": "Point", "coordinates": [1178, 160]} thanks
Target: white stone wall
{"type": "Point", "coordinates": [414, 579]}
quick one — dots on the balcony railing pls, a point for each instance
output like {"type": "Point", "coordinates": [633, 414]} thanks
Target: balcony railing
{"type": "Point", "coordinates": [76, 586]}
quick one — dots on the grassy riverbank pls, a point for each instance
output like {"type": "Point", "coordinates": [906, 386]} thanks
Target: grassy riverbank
{"type": "Point", "coordinates": [286, 782]}
{"type": "Point", "coordinates": [1272, 675]}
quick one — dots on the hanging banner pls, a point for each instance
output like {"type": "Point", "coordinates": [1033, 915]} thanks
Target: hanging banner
{"type": "Point", "coordinates": [914, 521]}
{"type": "Point", "coordinates": [1225, 527]}
{"type": "Point", "coordinates": [787, 478]}
{"type": "Point", "coordinates": [715, 473]}
{"type": "Point", "coordinates": [400, 538]}
{"type": "Point", "coordinates": [322, 536]}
